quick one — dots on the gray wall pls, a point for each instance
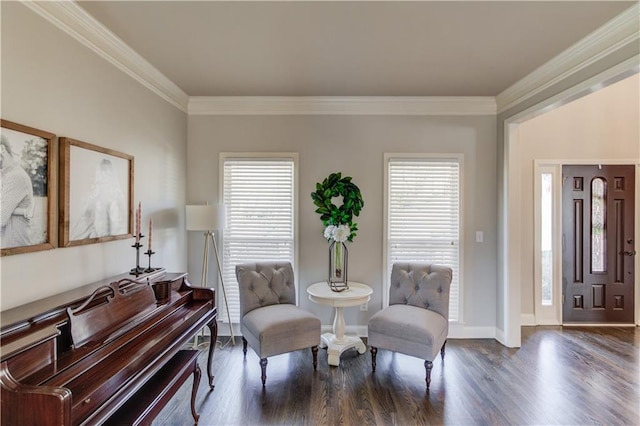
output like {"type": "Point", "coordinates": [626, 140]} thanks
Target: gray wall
{"type": "Point", "coordinates": [354, 145]}
{"type": "Point", "coordinates": [52, 82]}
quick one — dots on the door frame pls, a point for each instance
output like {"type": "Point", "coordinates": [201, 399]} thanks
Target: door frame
{"type": "Point", "coordinates": [553, 316]}
{"type": "Point", "coordinates": [509, 254]}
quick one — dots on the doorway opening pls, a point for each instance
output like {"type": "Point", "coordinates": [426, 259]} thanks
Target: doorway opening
{"type": "Point", "coordinates": [513, 239]}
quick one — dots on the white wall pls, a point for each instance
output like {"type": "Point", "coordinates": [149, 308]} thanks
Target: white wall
{"type": "Point", "coordinates": [52, 82]}
{"type": "Point", "coordinates": [603, 125]}
{"type": "Point", "coordinates": [354, 145]}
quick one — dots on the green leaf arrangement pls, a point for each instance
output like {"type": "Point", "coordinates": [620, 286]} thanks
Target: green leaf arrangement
{"type": "Point", "coordinates": [333, 186]}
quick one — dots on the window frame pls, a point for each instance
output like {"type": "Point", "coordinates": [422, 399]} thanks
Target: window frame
{"type": "Point", "coordinates": [459, 158]}
{"type": "Point", "coordinates": [264, 156]}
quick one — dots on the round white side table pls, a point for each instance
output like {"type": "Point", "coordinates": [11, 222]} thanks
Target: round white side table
{"type": "Point", "coordinates": [337, 342]}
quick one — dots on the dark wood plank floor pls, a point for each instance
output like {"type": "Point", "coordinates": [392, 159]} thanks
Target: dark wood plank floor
{"type": "Point", "coordinates": [560, 376]}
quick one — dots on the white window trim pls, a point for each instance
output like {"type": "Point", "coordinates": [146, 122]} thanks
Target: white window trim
{"type": "Point", "coordinates": [385, 240]}
{"type": "Point", "coordinates": [224, 156]}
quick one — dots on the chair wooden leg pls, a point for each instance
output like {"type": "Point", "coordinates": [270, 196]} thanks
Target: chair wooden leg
{"type": "Point", "coordinates": [263, 366]}
{"type": "Point", "coordinates": [314, 351]}
{"type": "Point", "coordinates": [244, 346]}
{"type": "Point", "coordinates": [374, 352]}
{"type": "Point", "coordinates": [428, 365]}
{"type": "Point", "coordinates": [442, 349]}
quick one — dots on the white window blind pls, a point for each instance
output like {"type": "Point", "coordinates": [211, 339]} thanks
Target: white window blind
{"type": "Point", "coordinates": [423, 217]}
{"type": "Point", "coordinates": [259, 197]}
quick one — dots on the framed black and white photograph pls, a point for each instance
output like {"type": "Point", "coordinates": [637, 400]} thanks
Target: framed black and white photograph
{"type": "Point", "coordinates": [28, 192]}
{"type": "Point", "coordinates": [97, 194]}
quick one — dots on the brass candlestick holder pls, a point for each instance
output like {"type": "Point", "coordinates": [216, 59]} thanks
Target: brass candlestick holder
{"type": "Point", "coordinates": [137, 270]}
{"type": "Point", "coordinates": [149, 268]}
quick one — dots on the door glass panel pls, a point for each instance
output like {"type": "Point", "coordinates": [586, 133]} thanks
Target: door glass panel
{"type": "Point", "coordinates": [598, 222]}
{"type": "Point", "coordinates": [546, 238]}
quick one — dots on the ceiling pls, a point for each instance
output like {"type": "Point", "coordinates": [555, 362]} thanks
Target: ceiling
{"type": "Point", "coordinates": [350, 48]}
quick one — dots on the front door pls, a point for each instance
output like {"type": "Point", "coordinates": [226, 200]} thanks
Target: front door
{"type": "Point", "coordinates": [598, 248]}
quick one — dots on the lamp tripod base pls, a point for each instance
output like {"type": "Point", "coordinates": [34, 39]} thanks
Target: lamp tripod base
{"type": "Point", "coordinates": [210, 239]}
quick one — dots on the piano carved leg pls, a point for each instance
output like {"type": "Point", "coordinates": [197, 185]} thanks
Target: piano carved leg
{"type": "Point", "coordinates": [213, 329]}
{"type": "Point", "coordinates": [196, 382]}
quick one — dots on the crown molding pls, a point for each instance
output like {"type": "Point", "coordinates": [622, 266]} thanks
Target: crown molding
{"type": "Point", "coordinates": [349, 105]}
{"type": "Point", "coordinates": [75, 21]}
{"type": "Point", "coordinates": [621, 31]}
{"type": "Point", "coordinates": [599, 81]}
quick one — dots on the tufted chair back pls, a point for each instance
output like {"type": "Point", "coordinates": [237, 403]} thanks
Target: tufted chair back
{"type": "Point", "coordinates": [422, 285]}
{"type": "Point", "coordinates": [264, 284]}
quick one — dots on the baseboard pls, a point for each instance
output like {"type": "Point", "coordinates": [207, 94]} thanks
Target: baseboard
{"type": "Point", "coordinates": [530, 320]}
{"type": "Point", "coordinates": [547, 322]}
{"type": "Point", "coordinates": [355, 330]}
{"type": "Point", "coordinates": [456, 331]}
{"type": "Point", "coordinates": [500, 337]}
{"type": "Point", "coordinates": [597, 325]}
{"type": "Point", "coordinates": [527, 319]}
{"type": "Point", "coordinates": [461, 331]}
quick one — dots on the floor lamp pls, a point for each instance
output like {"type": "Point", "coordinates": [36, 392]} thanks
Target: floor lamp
{"type": "Point", "coordinates": [207, 218]}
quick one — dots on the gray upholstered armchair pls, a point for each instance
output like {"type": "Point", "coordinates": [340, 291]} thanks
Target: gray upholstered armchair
{"type": "Point", "coordinates": [416, 322]}
{"type": "Point", "coordinates": [270, 321]}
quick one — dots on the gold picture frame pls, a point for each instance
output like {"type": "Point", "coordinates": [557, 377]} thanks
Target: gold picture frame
{"type": "Point", "coordinates": [28, 208]}
{"type": "Point", "coordinates": [96, 202]}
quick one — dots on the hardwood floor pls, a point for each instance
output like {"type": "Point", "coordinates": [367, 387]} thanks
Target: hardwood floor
{"type": "Point", "coordinates": [560, 376]}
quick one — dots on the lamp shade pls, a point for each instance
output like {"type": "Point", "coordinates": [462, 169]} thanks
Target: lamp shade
{"type": "Point", "coordinates": [202, 218]}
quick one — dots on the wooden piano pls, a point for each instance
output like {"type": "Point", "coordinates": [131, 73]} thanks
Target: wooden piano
{"type": "Point", "coordinates": [78, 357]}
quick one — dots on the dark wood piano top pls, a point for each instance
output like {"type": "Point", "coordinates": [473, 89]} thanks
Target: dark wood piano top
{"type": "Point", "coordinates": [40, 309]}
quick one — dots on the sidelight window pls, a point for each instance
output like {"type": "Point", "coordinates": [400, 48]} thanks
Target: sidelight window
{"type": "Point", "coordinates": [547, 245]}
{"type": "Point", "coordinates": [546, 237]}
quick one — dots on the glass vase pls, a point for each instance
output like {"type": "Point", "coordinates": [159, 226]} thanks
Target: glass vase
{"type": "Point", "coordinates": [338, 262]}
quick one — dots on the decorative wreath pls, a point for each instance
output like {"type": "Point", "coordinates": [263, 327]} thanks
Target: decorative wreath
{"type": "Point", "coordinates": [333, 186]}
